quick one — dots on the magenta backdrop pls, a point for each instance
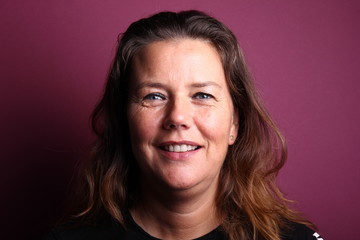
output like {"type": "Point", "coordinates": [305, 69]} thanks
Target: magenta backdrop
{"type": "Point", "coordinates": [55, 55]}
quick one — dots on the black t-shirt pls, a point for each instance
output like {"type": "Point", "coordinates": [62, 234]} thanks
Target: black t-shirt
{"type": "Point", "coordinates": [112, 230]}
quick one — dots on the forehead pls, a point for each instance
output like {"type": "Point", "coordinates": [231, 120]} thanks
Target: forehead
{"type": "Point", "coordinates": [186, 57]}
{"type": "Point", "coordinates": [179, 44]}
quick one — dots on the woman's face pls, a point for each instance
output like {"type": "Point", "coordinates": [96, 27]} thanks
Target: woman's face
{"type": "Point", "coordinates": [180, 114]}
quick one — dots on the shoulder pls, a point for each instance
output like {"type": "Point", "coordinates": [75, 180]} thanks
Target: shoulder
{"type": "Point", "coordinates": [109, 230]}
{"type": "Point", "coordinates": [297, 231]}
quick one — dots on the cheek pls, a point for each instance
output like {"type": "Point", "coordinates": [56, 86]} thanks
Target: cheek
{"type": "Point", "coordinates": [142, 124]}
{"type": "Point", "coordinates": [214, 125]}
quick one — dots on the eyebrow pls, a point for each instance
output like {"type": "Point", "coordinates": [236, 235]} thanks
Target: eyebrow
{"type": "Point", "coordinates": [150, 85]}
{"type": "Point", "coordinates": [205, 84]}
{"type": "Point", "coordinates": [193, 85]}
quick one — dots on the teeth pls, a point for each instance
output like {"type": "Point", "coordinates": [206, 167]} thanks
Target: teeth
{"type": "Point", "coordinates": [180, 148]}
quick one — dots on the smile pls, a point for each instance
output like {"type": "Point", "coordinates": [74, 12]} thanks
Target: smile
{"type": "Point", "coordinates": [179, 148]}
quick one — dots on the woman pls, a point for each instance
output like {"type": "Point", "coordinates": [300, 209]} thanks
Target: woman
{"type": "Point", "coordinates": [185, 149]}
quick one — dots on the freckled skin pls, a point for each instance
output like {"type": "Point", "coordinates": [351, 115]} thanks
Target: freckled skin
{"type": "Point", "coordinates": [178, 92]}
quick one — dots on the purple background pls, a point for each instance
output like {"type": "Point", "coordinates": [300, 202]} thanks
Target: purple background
{"type": "Point", "coordinates": [55, 55]}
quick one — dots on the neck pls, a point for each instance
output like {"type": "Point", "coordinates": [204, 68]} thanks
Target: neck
{"type": "Point", "coordinates": [176, 215]}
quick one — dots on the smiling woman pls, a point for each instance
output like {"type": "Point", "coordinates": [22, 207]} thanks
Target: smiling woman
{"type": "Point", "coordinates": [185, 148]}
{"type": "Point", "coordinates": [180, 115]}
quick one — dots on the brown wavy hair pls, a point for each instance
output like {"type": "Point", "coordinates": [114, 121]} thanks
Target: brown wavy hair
{"type": "Point", "coordinates": [249, 204]}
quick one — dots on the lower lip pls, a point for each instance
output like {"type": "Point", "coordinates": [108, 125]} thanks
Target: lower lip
{"type": "Point", "coordinates": [179, 156]}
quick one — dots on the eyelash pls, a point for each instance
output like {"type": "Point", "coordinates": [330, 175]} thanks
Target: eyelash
{"type": "Point", "coordinates": [159, 96]}
{"type": "Point", "coordinates": [152, 96]}
{"type": "Point", "coordinates": [201, 95]}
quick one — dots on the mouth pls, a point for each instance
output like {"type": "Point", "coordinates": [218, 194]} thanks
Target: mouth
{"type": "Point", "coordinates": [179, 147]}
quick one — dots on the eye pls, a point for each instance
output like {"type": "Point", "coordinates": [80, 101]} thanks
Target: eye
{"type": "Point", "coordinates": [201, 95]}
{"type": "Point", "coordinates": [154, 96]}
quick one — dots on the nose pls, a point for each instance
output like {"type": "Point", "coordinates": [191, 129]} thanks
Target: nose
{"type": "Point", "coordinates": [178, 115]}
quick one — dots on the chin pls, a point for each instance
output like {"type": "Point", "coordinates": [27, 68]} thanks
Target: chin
{"type": "Point", "coordinates": [181, 183]}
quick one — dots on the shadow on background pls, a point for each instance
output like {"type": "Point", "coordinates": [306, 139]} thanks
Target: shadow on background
{"type": "Point", "coordinates": [44, 134]}
{"type": "Point", "coordinates": [45, 103]}
{"type": "Point", "coordinates": [38, 163]}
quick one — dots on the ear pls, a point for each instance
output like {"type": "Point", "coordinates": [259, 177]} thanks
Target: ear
{"type": "Point", "coordinates": [234, 127]}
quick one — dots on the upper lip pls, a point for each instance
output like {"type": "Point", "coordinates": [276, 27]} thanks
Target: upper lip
{"type": "Point", "coordinates": [167, 143]}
